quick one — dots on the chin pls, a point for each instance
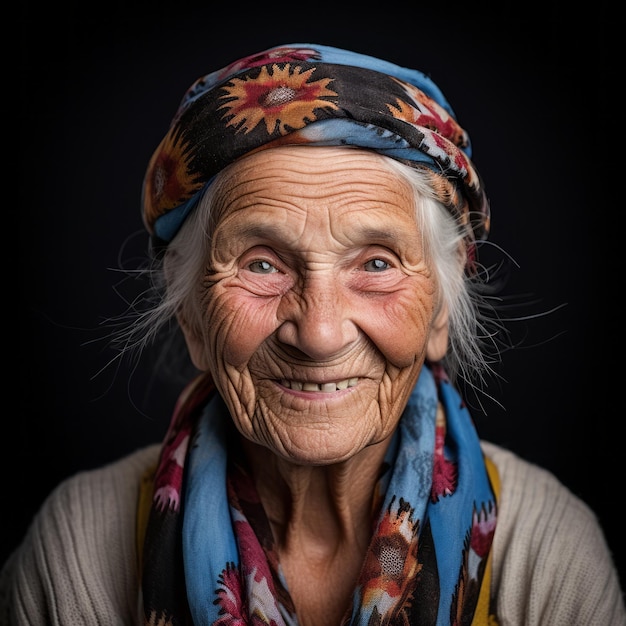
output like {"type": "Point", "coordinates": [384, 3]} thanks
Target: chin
{"type": "Point", "coordinates": [321, 448]}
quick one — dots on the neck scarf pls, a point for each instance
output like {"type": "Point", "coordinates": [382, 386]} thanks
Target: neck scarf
{"type": "Point", "coordinates": [208, 553]}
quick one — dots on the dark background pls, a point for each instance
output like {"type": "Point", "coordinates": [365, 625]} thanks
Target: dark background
{"type": "Point", "coordinates": [99, 86]}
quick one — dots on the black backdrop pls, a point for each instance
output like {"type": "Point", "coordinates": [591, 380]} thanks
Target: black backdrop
{"type": "Point", "coordinates": [99, 85]}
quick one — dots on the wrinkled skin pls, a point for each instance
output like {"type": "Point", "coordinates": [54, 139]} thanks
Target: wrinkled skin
{"type": "Point", "coordinates": [317, 276]}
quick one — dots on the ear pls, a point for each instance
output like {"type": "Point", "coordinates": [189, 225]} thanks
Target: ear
{"type": "Point", "coordinates": [438, 339]}
{"type": "Point", "coordinates": [195, 344]}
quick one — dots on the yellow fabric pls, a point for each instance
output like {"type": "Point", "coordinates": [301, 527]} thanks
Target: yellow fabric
{"type": "Point", "coordinates": [482, 615]}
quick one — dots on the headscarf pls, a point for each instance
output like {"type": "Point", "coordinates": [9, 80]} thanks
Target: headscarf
{"type": "Point", "coordinates": [316, 95]}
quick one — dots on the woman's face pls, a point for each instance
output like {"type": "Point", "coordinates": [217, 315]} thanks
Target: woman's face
{"type": "Point", "coordinates": [318, 305]}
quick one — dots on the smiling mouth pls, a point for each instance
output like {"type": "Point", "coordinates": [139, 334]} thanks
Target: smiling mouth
{"type": "Point", "coordinates": [297, 385]}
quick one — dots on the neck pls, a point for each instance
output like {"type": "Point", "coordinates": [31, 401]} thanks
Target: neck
{"type": "Point", "coordinates": [321, 518]}
{"type": "Point", "coordinates": [318, 508]}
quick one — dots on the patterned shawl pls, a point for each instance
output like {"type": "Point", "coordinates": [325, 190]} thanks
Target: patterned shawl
{"type": "Point", "coordinates": [208, 552]}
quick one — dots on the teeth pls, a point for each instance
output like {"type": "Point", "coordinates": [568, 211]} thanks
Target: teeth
{"type": "Point", "coordinates": [325, 387]}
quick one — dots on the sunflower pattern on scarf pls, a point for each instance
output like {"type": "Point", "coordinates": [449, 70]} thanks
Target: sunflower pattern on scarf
{"type": "Point", "coordinates": [316, 95]}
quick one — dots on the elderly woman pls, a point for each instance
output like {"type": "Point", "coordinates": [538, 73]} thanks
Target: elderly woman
{"type": "Point", "coordinates": [316, 215]}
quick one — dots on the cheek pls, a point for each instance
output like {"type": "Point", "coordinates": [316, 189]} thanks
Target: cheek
{"type": "Point", "coordinates": [399, 325]}
{"type": "Point", "coordinates": [238, 325]}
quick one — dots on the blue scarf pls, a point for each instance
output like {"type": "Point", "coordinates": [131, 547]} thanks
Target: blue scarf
{"type": "Point", "coordinates": [209, 557]}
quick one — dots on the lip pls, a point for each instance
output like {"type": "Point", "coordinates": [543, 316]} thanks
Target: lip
{"type": "Point", "coordinates": [310, 387]}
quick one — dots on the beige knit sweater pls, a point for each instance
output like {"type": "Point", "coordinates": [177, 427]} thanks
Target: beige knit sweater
{"type": "Point", "coordinates": [77, 565]}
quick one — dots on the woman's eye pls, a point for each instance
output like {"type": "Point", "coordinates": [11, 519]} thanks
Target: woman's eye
{"type": "Point", "coordinates": [262, 267]}
{"type": "Point", "coordinates": [376, 265]}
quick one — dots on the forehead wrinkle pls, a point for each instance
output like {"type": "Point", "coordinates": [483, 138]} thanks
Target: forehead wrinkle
{"type": "Point", "coordinates": [275, 229]}
{"type": "Point", "coordinates": [275, 233]}
{"type": "Point", "coordinates": [365, 205]}
{"type": "Point", "coordinates": [272, 233]}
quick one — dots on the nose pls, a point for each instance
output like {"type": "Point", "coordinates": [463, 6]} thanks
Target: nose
{"type": "Point", "coordinates": [318, 321]}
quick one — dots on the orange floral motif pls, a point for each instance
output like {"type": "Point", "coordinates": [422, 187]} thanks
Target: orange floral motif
{"type": "Point", "coordinates": [283, 99]}
{"type": "Point", "coordinates": [392, 563]}
{"type": "Point", "coordinates": [425, 112]}
{"type": "Point", "coordinates": [170, 182]}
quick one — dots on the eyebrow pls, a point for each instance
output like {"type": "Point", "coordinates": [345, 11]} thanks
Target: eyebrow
{"type": "Point", "coordinates": [377, 234]}
{"type": "Point", "coordinates": [256, 230]}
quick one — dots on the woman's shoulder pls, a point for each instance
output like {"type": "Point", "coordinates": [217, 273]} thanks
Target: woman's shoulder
{"type": "Point", "coordinates": [550, 556]}
{"type": "Point", "coordinates": [110, 490]}
{"type": "Point", "coordinates": [101, 501]}
{"type": "Point", "coordinates": [534, 506]}
{"type": "Point", "coordinates": [522, 479]}
{"type": "Point", "coordinates": [84, 537]}
{"type": "Point", "coordinates": [115, 473]}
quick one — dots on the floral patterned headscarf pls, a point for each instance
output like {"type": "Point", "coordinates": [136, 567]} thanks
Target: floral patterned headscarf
{"type": "Point", "coordinates": [310, 94]}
